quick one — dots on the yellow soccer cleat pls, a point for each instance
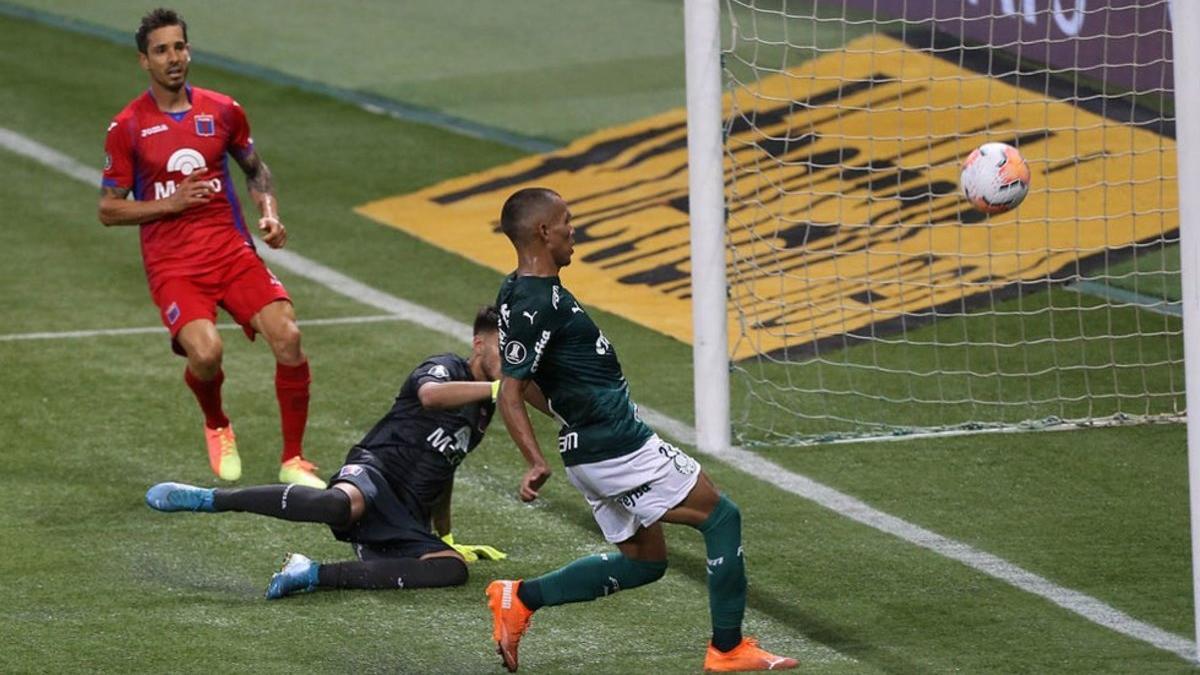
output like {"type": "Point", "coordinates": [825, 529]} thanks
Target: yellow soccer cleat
{"type": "Point", "coordinates": [300, 471]}
{"type": "Point", "coordinates": [223, 453]}
{"type": "Point", "coordinates": [746, 656]}
{"type": "Point", "coordinates": [510, 619]}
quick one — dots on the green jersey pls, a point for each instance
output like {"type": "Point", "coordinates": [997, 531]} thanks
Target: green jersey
{"type": "Point", "coordinates": [547, 337]}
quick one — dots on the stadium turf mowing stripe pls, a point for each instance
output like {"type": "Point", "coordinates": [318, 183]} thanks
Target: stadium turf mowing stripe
{"type": "Point", "coordinates": [141, 330]}
{"type": "Point", "coordinates": [743, 460]}
{"type": "Point", "coordinates": [372, 103]}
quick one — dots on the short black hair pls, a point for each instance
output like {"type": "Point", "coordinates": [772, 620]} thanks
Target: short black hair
{"type": "Point", "coordinates": [487, 319]}
{"type": "Point", "coordinates": [519, 208]}
{"type": "Point", "coordinates": [155, 19]}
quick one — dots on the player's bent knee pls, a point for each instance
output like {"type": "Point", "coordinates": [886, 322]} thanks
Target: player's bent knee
{"type": "Point", "coordinates": [455, 571]}
{"type": "Point", "coordinates": [335, 507]}
{"type": "Point", "coordinates": [205, 354]}
{"type": "Point", "coordinates": [725, 514]}
{"type": "Point", "coordinates": [286, 345]}
{"type": "Point", "coordinates": [642, 572]}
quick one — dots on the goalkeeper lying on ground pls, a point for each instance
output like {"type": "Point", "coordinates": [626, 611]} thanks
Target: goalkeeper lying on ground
{"type": "Point", "coordinates": [396, 483]}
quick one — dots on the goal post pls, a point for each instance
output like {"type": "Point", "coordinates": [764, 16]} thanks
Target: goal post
{"type": "Point", "coordinates": [706, 208]}
{"type": "Point", "coordinates": [1186, 24]}
{"type": "Point", "coordinates": [861, 295]}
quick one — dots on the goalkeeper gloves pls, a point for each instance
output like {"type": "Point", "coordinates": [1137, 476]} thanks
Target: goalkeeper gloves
{"type": "Point", "coordinates": [472, 553]}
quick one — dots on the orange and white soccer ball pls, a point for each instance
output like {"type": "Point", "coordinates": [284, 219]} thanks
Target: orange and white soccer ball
{"type": "Point", "coordinates": [995, 178]}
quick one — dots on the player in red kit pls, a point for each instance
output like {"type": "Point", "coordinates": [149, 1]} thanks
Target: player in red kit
{"type": "Point", "coordinates": [170, 148]}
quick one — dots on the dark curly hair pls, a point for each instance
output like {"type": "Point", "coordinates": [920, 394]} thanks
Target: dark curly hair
{"type": "Point", "coordinates": [155, 19]}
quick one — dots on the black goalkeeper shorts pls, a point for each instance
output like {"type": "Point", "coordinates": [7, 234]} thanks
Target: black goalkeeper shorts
{"type": "Point", "coordinates": [387, 529]}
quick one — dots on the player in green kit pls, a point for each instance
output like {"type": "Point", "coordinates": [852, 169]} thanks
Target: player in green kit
{"type": "Point", "coordinates": [633, 480]}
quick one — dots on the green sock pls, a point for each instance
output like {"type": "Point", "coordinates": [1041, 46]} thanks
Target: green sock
{"type": "Point", "coordinates": [589, 578]}
{"type": "Point", "coordinates": [722, 532]}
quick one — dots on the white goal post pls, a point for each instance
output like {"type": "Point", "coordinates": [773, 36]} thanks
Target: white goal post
{"type": "Point", "coordinates": [1186, 22]}
{"type": "Point", "coordinates": [706, 207]}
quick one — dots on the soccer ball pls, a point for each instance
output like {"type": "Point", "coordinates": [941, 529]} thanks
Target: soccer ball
{"type": "Point", "coordinates": [995, 178]}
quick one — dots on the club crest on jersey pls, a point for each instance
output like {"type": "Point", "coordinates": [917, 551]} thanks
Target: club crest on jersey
{"type": "Point", "coordinates": [515, 353]}
{"type": "Point", "coordinates": [205, 125]}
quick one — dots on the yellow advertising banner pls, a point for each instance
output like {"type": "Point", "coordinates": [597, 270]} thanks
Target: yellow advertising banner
{"type": "Point", "coordinates": [844, 213]}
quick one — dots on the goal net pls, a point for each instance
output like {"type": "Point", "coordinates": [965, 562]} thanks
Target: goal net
{"type": "Point", "coordinates": [868, 298]}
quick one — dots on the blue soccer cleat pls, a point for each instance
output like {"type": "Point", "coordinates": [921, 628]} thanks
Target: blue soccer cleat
{"type": "Point", "coordinates": [298, 575]}
{"type": "Point", "coordinates": [179, 497]}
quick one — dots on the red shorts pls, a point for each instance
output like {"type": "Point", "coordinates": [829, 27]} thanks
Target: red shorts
{"type": "Point", "coordinates": [242, 287]}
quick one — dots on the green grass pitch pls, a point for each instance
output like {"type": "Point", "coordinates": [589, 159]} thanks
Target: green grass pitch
{"type": "Point", "coordinates": [92, 580]}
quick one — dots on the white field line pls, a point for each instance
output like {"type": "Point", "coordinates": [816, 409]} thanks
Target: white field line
{"type": "Point", "coordinates": [755, 465]}
{"type": "Point", "coordinates": [141, 330]}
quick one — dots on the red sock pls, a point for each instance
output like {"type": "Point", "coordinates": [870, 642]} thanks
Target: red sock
{"type": "Point", "coordinates": [291, 388]}
{"type": "Point", "coordinates": [208, 395]}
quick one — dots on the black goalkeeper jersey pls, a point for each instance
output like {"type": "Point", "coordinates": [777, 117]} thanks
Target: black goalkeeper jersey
{"type": "Point", "coordinates": [418, 449]}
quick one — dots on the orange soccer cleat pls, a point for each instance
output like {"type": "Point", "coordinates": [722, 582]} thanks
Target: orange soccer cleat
{"type": "Point", "coordinates": [746, 656]}
{"type": "Point", "coordinates": [510, 619]}
{"type": "Point", "coordinates": [223, 452]}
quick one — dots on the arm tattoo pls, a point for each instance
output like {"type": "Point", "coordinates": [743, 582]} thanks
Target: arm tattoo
{"type": "Point", "coordinates": [114, 192]}
{"type": "Point", "coordinates": [258, 174]}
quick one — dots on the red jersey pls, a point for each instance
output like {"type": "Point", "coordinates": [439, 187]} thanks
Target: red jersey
{"type": "Point", "coordinates": [149, 152]}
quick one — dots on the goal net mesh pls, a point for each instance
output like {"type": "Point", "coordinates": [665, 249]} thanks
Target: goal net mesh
{"type": "Point", "coordinates": [868, 298]}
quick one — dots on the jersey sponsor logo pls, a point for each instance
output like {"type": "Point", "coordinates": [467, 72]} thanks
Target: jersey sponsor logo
{"type": "Point", "coordinates": [515, 353]}
{"type": "Point", "coordinates": [569, 441]}
{"type": "Point", "coordinates": [453, 446]}
{"type": "Point", "coordinates": [530, 315]}
{"type": "Point", "coordinates": [185, 161]}
{"type": "Point", "coordinates": [439, 371]}
{"type": "Point", "coordinates": [504, 314]}
{"type": "Point", "coordinates": [107, 161]}
{"type": "Point", "coordinates": [630, 499]}
{"type": "Point", "coordinates": [538, 349]}
{"type": "Point", "coordinates": [205, 126]}
{"type": "Point", "coordinates": [554, 296]}
{"type": "Point", "coordinates": [350, 470]}
{"type": "Point", "coordinates": [156, 129]}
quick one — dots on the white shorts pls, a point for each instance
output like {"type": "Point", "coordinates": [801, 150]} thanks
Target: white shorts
{"type": "Point", "coordinates": [635, 490]}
